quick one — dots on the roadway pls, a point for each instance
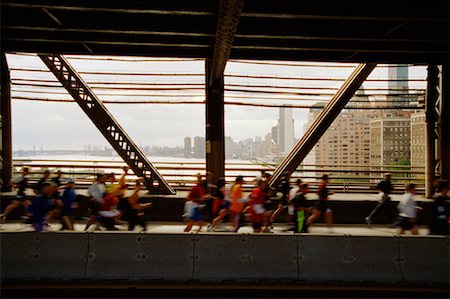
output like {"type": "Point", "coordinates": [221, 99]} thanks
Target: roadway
{"type": "Point", "coordinates": [178, 227]}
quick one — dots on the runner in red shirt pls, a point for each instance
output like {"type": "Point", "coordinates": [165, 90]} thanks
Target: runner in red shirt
{"type": "Point", "coordinates": [257, 210]}
{"type": "Point", "coordinates": [195, 198]}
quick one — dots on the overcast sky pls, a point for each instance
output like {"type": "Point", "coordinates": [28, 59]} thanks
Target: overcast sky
{"type": "Point", "coordinates": [64, 125]}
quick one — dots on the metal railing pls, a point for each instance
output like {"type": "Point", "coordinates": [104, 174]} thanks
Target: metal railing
{"type": "Point", "coordinates": [181, 175]}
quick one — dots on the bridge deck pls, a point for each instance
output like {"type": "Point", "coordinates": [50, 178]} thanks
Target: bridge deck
{"type": "Point", "coordinates": [178, 227]}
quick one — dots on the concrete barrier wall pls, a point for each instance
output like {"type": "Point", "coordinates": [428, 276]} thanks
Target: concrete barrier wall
{"type": "Point", "coordinates": [224, 257]}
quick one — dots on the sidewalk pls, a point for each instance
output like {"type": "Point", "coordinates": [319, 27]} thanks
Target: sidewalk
{"type": "Point", "coordinates": [177, 227]}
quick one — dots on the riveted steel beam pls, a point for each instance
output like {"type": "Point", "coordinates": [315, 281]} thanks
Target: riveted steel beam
{"type": "Point", "coordinates": [228, 20]}
{"type": "Point", "coordinates": [322, 122]}
{"type": "Point", "coordinates": [106, 123]}
{"type": "Point", "coordinates": [5, 126]}
{"type": "Point", "coordinates": [229, 13]}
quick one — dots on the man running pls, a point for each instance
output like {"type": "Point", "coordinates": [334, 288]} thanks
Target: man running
{"type": "Point", "coordinates": [385, 187]}
{"type": "Point", "coordinates": [21, 183]}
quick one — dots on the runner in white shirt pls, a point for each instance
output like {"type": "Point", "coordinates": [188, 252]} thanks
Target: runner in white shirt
{"type": "Point", "coordinates": [408, 211]}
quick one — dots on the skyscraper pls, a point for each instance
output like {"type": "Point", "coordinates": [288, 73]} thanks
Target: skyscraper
{"type": "Point", "coordinates": [397, 84]}
{"type": "Point", "coordinates": [398, 77]}
{"type": "Point", "coordinates": [285, 130]}
{"type": "Point", "coordinates": [187, 147]}
{"type": "Point", "coordinates": [199, 147]}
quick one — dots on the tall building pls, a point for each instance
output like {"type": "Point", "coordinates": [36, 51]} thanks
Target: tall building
{"type": "Point", "coordinates": [347, 140]}
{"type": "Point", "coordinates": [199, 147]}
{"type": "Point", "coordinates": [285, 130]}
{"type": "Point", "coordinates": [418, 139]}
{"type": "Point", "coordinates": [390, 140]}
{"type": "Point", "coordinates": [187, 147]}
{"type": "Point", "coordinates": [398, 78]}
{"type": "Point", "coordinates": [229, 150]}
{"type": "Point", "coordinates": [397, 84]}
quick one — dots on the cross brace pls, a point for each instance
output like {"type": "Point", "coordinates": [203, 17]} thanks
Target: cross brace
{"type": "Point", "coordinates": [322, 122]}
{"type": "Point", "coordinates": [106, 123]}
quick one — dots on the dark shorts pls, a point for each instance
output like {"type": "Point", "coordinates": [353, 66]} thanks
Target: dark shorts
{"type": "Point", "coordinates": [405, 223]}
{"type": "Point", "coordinates": [94, 206]}
{"type": "Point", "coordinates": [224, 205]}
{"type": "Point", "coordinates": [257, 225]}
{"type": "Point", "coordinates": [123, 204]}
{"type": "Point", "coordinates": [270, 205]}
{"type": "Point", "coordinates": [196, 215]}
{"type": "Point", "coordinates": [322, 206]}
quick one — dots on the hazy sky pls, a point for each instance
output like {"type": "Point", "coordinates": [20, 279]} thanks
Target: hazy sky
{"type": "Point", "coordinates": [64, 125]}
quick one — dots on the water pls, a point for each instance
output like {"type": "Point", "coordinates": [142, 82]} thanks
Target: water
{"type": "Point", "coordinates": [172, 168]}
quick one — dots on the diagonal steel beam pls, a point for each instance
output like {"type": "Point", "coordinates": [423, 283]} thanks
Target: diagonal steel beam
{"type": "Point", "coordinates": [106, 123]}
{"type": "Point", "coordinates": [322, 122]}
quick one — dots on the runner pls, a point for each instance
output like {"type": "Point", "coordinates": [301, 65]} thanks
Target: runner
{"type": "Point", "coordinates": [195, 198]}
{"type": "Point", "coordinates": [301, 208]}
{"type": "Point", "coordinates": [221, 203]}
{"type": "Point", "coordinates": [323, 207]}
{"type": "Point", "coordinates": [97, 191]}
{"type": "Point", "coordinates": [385, 187]}
{"type": "Point", "coordinates": [136, 212]}
{"type": "Point", "coordinates": [69, 204]}
{"type": "Point", "coordinates": [407, 216]}
{"type": "Point", "coordinates": [237, 203]}
{"type": "Point", "coordinates": [440, 212]}
{"type": "Point", "coordinates": [40, 205]}
{"type": "Point", "coordinates": [21, 183]}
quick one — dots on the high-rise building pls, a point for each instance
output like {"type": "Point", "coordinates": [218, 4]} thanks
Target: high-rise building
{"type": "Point", "coordinates": [199, 147]}
{"type": "Point", "coordinates": [187, 147]}
{"type": "Point", "coordinates": [274, 135]}
{"type": "Point", "coordinates": [347, 140]}
{"type": "Point", "coordinates": [418, 139]}
{"type": "Point", "coordinates": [397, 84]}
{"type": "Point", "coordinates": [229, 151]}
{"type": "Point", "coordinates": [285, 130]}
{"type": "Point", "coordinates": [398, 78]}
{"type": "Point", "coordinates": [390, 142]}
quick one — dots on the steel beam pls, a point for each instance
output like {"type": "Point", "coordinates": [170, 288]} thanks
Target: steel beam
{"type": "Point", "coordinates": [215, 124]}
{"type": "Point", "coordinates": [228, 20]}
{"type": "Point", "coordinates": [229, 13]}
{"type": "Point", "coordinates": [5, 129]}
{"type": "Point", "coordinates": [438, 126]}
{"type": "Point", "coordinates": [445, 122]}
{"type": "Point", "coordinates": [322, 122]}
{"type": "Point", "coordinates": [431, 136]}
{"type": "Point", "coordinates": [106, 123]}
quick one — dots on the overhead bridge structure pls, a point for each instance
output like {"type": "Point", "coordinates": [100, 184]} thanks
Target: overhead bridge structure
{"type": "Point", "coordinates": [324, 30]}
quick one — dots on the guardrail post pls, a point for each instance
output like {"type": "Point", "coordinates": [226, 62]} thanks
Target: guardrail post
{"type": "Point", "coordinates": [5, 127]}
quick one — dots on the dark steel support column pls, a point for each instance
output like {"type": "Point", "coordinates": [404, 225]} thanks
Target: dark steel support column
{"type": "Point", "coordinates": [228, 19]}
{"type": "Point", "coordinates": [431, 117]}
{"type": "Point", "coordinates": [6, 134]}
{"type": "Point", "coordinates": [323, 121]}
{"type": "Point", "coordinates": [445, 122]}
{"type": "Point", "coordinates": [438, 126]}
{"type": "Point", "coordinates": [215, 124]}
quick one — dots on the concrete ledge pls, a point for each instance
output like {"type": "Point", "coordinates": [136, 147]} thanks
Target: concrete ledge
{"type": "Point", "coordinates": [223, 257]}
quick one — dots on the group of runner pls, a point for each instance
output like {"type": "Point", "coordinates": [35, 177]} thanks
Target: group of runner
{"type": "Point", "coordinates": [212, 203]}
{"type": "Point", "coordinates": [107, 202]}
{"type": "Point", "coordinates": [208, 203]}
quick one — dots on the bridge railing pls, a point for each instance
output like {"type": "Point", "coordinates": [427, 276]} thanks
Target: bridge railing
{"type": "Point", "coordinates": [181, 175]}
